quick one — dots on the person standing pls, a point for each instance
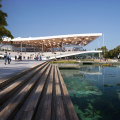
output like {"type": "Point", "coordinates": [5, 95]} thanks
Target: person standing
{"type": "Point", "coordinates": [9, 58]}
{"type": "Point", "coordinates": [5, 57]}
{"type": "Point", "coordinates": [15, 57]}
{"type": "Point", "coordinates": [40, 57]}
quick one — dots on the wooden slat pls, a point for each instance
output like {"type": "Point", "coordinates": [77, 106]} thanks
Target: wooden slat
{"type": "Point", "coordinates": [60, 114]}
{"type": "Point", "coordinates": [69, 108]}
{"type": "Point", "coordinates": [53, 110]}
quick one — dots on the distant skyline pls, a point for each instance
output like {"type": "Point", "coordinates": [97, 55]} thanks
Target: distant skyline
{"type": "Point", "coordinates": [37, 18]}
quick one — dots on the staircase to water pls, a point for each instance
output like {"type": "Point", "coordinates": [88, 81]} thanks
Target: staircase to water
{"type": "Point", "coordinates": [38, 93]}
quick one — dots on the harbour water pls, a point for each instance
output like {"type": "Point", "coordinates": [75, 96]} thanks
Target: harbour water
{"type": "Point", "coordinates": [94, 91]}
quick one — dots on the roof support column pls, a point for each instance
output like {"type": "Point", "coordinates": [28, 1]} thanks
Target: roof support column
{"type": "Point", "coordinates": [42, 48]}
{"type": "Point", "coordinates": [21, 46]}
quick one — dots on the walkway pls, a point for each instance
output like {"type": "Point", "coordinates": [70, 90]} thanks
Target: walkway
{"type": "Point", "coordinates": [15, 67]}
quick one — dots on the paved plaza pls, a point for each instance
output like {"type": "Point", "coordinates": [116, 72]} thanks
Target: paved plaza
{"type": "Point", "coordinates": [15, 67]}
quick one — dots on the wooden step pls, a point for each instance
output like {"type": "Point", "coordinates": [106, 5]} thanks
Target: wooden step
{"type": "Point", "coordinates": [44, 107]}
{"type": "Point", "coordinates": [12, 105]}
{"type": "Point", "coordinates": [69, 108]}
{"type": "Point", "coordinates": [29, 108]}
{"type": "Point", "coordinates": [7, 92]}
{"type": "Point", "coordinates": [39, 94]}
{"type": "Point", "coordinates": [58, 108]}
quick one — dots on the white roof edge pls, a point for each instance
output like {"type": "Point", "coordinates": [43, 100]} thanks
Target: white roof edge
{"type": "Point", "coordinates": [53, 37]}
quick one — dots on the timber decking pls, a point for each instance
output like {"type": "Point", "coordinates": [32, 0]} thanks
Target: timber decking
{"type": "Point", "coordinates": [36, 94]}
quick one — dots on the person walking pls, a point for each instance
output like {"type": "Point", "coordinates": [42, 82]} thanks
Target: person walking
{"type": "Point", "coordinates": [9, 58]}
{"type": "Point", "coordinates": [5, 57]}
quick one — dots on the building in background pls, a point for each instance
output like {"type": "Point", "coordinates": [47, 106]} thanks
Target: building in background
{"type": "Point", "coordinates": [73, 42]}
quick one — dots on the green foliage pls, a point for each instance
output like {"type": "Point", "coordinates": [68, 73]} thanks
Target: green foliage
{"type": "Point", "coordinates": [114, 52]}
{"type": "Point", "coordinates": [86, 59]}
{"type": "Point", "coordinates": [111, 53]}
{"type": "Point", "coordinates": [64, 61]}
{"type": "Point", "coordinates": [107, 64]}
{"type": "Point", "coordinates": [104, 50]}
{"type": "Point", "coordinates": [3, 31]}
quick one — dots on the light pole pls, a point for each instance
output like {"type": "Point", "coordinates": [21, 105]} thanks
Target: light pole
{"type": "Point", "coordinates": [103, 40]}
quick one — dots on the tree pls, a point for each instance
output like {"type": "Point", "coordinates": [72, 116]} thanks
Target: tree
{"type": "Point", "coordinates": [104, 51]}
{"type": "Point", "coordinates": [103, 48]}
{"type": "Point", "coordinates": [3, 31]}
{"type": "Point", "coordinates": [114, 53]}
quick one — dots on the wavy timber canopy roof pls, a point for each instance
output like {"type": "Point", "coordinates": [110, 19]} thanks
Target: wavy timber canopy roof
{"type": "Point", "coordinates": [57, 41]}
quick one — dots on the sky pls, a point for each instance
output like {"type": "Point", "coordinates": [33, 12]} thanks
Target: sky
{"type": "Point", "coordinates": [37, 18]}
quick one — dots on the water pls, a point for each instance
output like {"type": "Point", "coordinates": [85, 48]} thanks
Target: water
{"type": "Point", "coordinates": [94, 91]}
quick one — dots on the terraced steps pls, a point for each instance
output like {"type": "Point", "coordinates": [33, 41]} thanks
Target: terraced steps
{"type": "Point", "coordinates": [36, 94]}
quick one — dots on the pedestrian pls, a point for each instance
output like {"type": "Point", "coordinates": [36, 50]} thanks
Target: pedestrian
{"type": "Point", "coordinates": [15, 57]}
{"type": "Point", "coordinates": [37, 58]}
{"type": "Point", "coordinates": [40, 57]}
{"type": "Point", "coordinates": [9, 58]}
{"type": "Point", "coordinates": [5, 57]}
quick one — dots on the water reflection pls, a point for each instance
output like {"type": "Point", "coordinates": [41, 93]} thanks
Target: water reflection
{"type": "Point", "coordinates": [95, 91]}
{"type": "Point", "coordinates": [91, 70]}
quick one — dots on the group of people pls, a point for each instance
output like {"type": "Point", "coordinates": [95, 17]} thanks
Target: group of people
{"type": "Point", "coordinates": [18, 57]}
{"type": "Point", "coordinates": [38, 58]}
{"type": "Point", "coordinates": [7, 58]}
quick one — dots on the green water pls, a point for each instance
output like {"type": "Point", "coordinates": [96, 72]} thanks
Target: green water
{"type": "Point", "coordinates": [94, 91]}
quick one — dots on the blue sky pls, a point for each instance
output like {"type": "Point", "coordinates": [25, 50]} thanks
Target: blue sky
{"type": "Point", "coordinates": [35, 18]}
